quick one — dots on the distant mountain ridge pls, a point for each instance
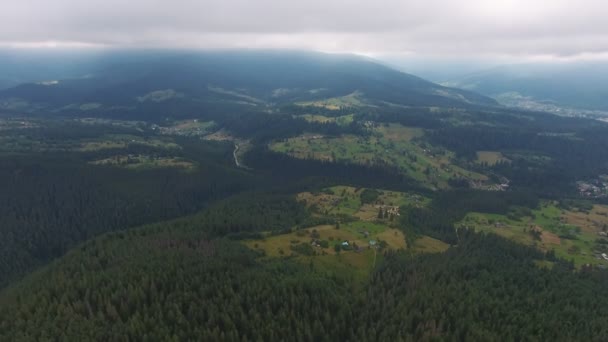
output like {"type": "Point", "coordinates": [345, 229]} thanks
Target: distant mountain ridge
{"type": "Point", "coordinates": [582, 85]}
{"type": "Point", "coordinates": [247, 78]}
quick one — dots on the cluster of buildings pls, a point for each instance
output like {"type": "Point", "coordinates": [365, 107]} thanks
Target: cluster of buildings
{"type": "Point", "coordinates": [485, 185]}
{"type": "Point", "coordinates": [181, 130]}
{"type": "Point", "coordinates": [593, 189]}
{"type": "Point", "coordinates": [388, 210]}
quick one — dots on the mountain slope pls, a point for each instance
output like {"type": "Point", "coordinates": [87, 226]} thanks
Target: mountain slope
{"type": "Point", "coordinates": [246, 78]}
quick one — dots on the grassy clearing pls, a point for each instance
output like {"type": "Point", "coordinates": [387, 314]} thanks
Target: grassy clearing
{"type": "Point", "coordinates": [187, 128]}
{"type": "Point", "coordinates": [367, 234]}
{"type": "Point", "coordinates": [145, 162]}
{"type": "Point", "coordinates": [573, 235]}
{"type": "Point", "coordinates": [279, 245]}
{"type": "Point", "coordinates": [490, 157]}
{"type": "Point", "coordinates": [346, 200]}
{"type": "Point", "coordinates": [160, 96]}
{"type": "Point", "coordinates": [316, 118]}
{"type": "Point", "coordinates": [16, 136]}
{"type": "Point", "coordinates": [116, 141]}
{"type": "Point", "coordinates": [24, 143]}
{"type": "Point", "coordinates": [426, 244]}
{"type": "Point", "coordinates": [243, 97]}
{"type": "Point", "coordinates": [393, 145]}
{"type": "Point", "coordinates": [399, 133]}
{"type": "Point", "coordinates": [343, 120]}
{"type": "Point", "coordinates": [354, 99]}
{"type": "Point", "coordinates": [357, 262]}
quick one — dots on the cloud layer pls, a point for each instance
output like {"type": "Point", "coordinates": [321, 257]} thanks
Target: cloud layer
{"type": "Point", "coordinates": [421, 27]}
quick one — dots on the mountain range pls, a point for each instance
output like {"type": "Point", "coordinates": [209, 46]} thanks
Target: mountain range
{"type": "Point", "coordinates": [581, 85]}
{"type": "Point", "coordinates": [255, 78]}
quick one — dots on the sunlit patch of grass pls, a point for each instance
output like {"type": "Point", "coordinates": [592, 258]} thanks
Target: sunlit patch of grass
{"type": "Point", "coordinates": [490, 157]}
{"type": "Point", "coordinates": [354, 99]}
{"type": "Point", "coordinates": [392, 145]}
{"type": "Point", "coordinates": [549, 228]}
{"type": "Point", "coordinates": [144, 162]}
{"type": "Point", "coordinates": [118, 141]}
{"type": "Point", "coordinates": [427, 244]}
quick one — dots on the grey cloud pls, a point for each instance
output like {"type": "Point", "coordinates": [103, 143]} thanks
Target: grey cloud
{"type": "Point", "coordinates": [431, 27]}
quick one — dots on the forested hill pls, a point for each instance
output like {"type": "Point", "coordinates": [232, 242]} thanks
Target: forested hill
{"type": "Point", "coordinates": [189, 81]}
{"type": "Point", "coordinates": [171, 282]}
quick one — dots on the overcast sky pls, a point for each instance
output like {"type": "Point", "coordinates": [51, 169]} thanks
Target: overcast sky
{"type": "Point", "coordinates": [508, 29]}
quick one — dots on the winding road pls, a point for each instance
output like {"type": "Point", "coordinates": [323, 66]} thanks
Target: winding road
{"type": "Point", "coordinates": [236, 159]}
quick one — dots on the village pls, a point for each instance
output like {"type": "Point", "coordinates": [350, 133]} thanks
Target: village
{"type": "Point", "coordinates": [357, 226]}
{"type": "Point", "coordinates": [596, 188]}
{"type": "Point", "coordinates": [187, 128]}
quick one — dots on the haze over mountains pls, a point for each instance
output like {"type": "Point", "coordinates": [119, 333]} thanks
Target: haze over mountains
{"type": "Point", "coordinates": [253, 78]}
{"type": "Point", "coordinates": [559, 87]}
{"type": "Point", "coordinates": [123, 77]}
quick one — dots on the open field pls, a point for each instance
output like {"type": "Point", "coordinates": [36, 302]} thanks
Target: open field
{"type": "Point", "coordinates": [340, 120]}
{"type": "Point", "coordinates": [393, 145]}
{"type": "Point", "coordinates": [97, 145]}
{"type": "Point", "coordinates": [244, 98]}
{"type": "Point", "coordinates": [572, 234]}
{"type": "Point", "coordinates": [111, 141]}
{"type": "Point", "coordinates": [398, 133]}
{"type": "Point", "coordinates": [187, 128]}
{"type": "Point", "coordinates": [144, 162]}
{"type": "Point", "coordinates": [490, 157]}
{"type": "Point", "coordinates": [346, 200]}
{"type": "Point", "coordinates": [352, 100]}
{"type": "Point", "coordinates": [24, 143]}
{"type": "Point", "coordinates": [358, 260]}
{"type": "Point", "coordinates": [367, 235]}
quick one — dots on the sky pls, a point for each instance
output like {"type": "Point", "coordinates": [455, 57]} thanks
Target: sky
{"type": "Point", "coordinates": [415, 29]}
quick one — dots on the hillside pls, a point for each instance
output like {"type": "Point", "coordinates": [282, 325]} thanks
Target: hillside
{"type": "Point", "coordinates": [132, 82]}
{"type": "Point", "coordinates": [172, 281]}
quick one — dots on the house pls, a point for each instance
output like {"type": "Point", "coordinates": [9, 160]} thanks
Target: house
{"type": "Point", "coordinates": [345, 244]}
{"type": "Point", "coordinates": [604, 256]}
{"type": "Point", "coordinates": [372, 242]}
